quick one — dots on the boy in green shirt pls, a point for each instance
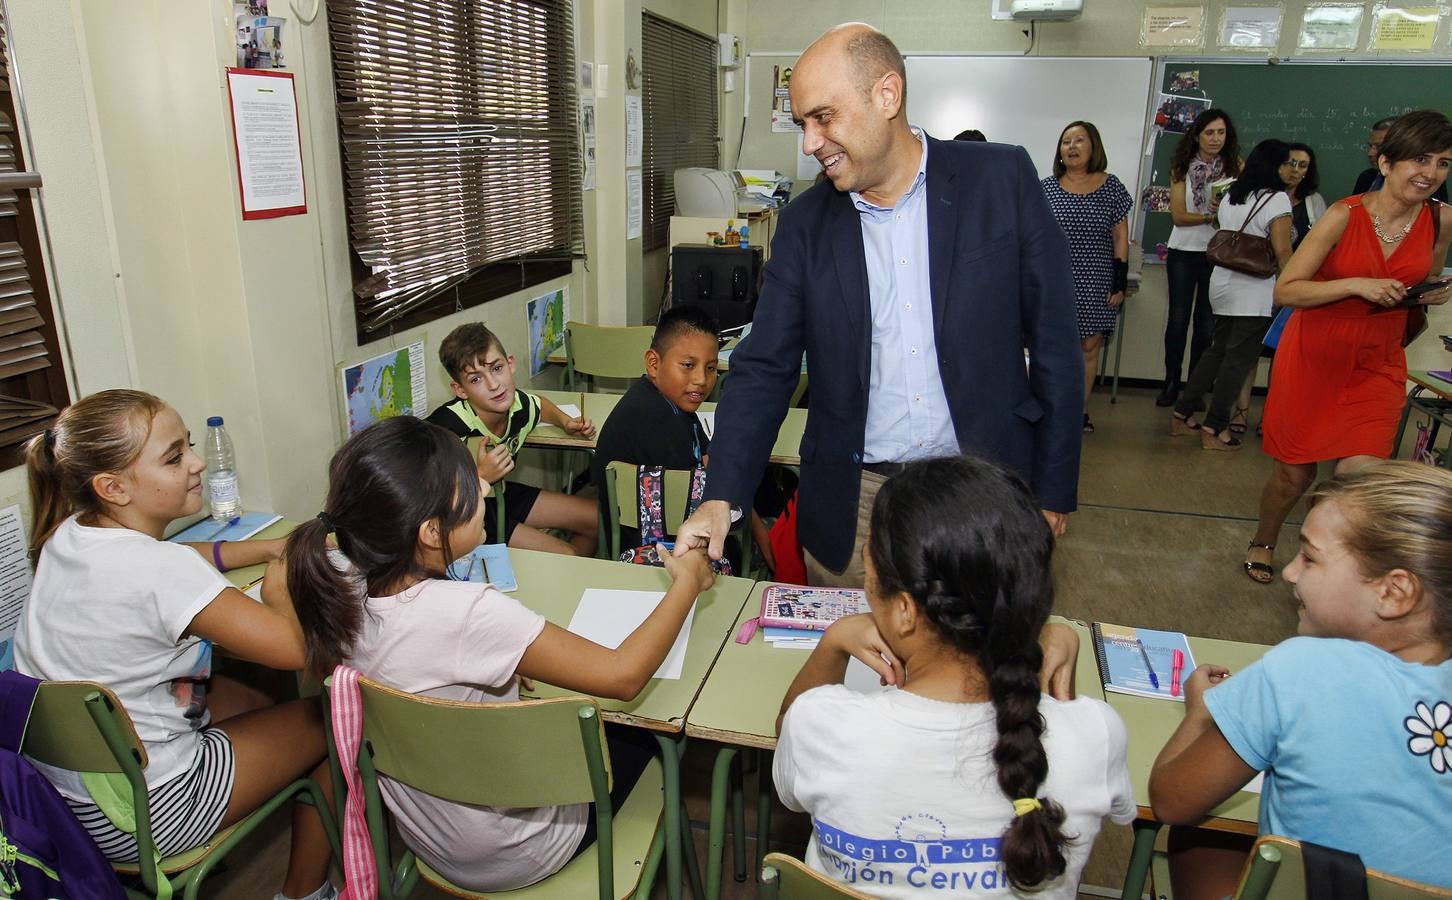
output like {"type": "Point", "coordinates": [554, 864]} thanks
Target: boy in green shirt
{"type": "Point", "coordinates": [488, 406]}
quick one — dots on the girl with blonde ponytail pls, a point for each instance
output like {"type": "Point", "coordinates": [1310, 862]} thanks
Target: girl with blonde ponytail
{"type": "Point", "coordinates": [113, 602]}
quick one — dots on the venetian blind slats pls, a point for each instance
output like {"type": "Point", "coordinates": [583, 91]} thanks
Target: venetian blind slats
{"type": "Point", "coordinates": [679, 102]}
{"type": "Point", "coordinates": [457, 120]}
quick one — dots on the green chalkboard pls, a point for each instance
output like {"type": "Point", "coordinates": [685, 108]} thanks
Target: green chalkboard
{"type": "Point", "coordinates": [1329, 106]}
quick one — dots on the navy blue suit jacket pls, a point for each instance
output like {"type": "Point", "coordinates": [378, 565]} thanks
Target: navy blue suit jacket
{"type": "Point", "coordinates": [1000, 282]}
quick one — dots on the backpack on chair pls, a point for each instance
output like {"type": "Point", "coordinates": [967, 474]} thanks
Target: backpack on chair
{"type": "Point", "coordinates": [45, 853]}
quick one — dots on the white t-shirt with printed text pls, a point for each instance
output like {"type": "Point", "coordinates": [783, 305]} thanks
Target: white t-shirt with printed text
{"type": "Point", "coordinates": [904, 796]}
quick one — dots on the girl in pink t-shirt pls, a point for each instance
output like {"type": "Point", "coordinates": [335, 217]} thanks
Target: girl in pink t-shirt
{"type": "Point", "coordinates": [404, 501]}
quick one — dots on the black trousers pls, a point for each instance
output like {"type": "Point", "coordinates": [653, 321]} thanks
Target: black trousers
{"type": "Point", "coordinates": [1221, 371]}
{"type": "Point", "coordinates": [1187, 273]}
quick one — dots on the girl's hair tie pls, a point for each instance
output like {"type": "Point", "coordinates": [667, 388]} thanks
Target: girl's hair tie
{"type": "Point", "coordinates": [327, 522]}
{"type": "Point", "coordinates": [50, 439]}
{"type": "Point", "coordinates": [1025, 805]}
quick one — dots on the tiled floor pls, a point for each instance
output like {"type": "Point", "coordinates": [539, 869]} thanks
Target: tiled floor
{"type": "Point", "coordinates": [1158, 542]}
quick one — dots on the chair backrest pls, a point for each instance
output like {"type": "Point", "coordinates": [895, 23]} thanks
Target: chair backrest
{"type": "Point", "coordinates": [458, 750]}
{"type": "Point", "coordinates": [790, 879]}
{"type": "Point", "coordinates": [66, 732]}
{"type": "Point", "coordinates": [674, 495]}
{"type": "Point", "coordinates": [1276, 870]}
{"type": "Point", "coordinates": [604, 351]}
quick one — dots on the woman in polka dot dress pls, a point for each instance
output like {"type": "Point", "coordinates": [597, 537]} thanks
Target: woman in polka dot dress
{"type": "Point", "coordinates": [1092, 207]}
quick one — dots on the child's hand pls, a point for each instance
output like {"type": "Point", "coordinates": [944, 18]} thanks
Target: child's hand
{"type": "Point", "coordinates": [495, 463]}
{"type": "Point", "coordinates": [1061, 651]}
{"type": "Point", "coordinates": [858, 636]}
{"type": "Point", "coordinates": [692, 567]}
{"type": "Point", "coordinates": [581, 426]}
{"type": "Point", "coordinates": [274, 585]}
{"type": "Point", "coordinates": [1201, 680]}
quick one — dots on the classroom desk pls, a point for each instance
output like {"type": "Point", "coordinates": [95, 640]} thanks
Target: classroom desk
{"type": "Point", "coordinates": [738, 707]}
{"type": "Point", "coordinates": [1150, 723]}
{"type": "Point", "coordinates": [786, 451]}
{"type": "Point", "coordinates": [551, 585]}
{"type": "Point", "coordinates": [245, 576]}
{"type": "Point", "coordinates": [1436, 405]}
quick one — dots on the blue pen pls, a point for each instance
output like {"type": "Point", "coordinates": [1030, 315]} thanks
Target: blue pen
{"type": "Point", "coordinates": [1154, 679]}
{"type": "Point", "coordinates": [228, 524]}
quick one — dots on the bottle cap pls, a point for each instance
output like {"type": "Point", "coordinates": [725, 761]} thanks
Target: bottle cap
{"type": "Point", "coordinates": [214, 421]}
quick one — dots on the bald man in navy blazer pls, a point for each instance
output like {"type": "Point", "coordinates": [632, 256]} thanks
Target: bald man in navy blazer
{"type": "Point", "coordinates": [914, 278]}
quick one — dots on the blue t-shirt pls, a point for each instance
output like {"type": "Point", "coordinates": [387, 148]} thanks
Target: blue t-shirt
{"type": "Point", "coordinates": [1357, 749]}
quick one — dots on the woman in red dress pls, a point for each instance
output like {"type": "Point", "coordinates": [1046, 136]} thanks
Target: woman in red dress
{"type": "Point", "coordinates": [1341, 373]}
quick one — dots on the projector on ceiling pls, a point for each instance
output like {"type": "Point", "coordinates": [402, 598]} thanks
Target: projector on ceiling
{"type": "Point", "coordinates": [1038, 10]}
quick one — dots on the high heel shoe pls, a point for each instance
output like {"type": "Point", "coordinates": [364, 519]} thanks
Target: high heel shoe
{"type": "Point", "coordinates": [1259, 572]}
{"type": "Point", "coordinates": [1170, 392]}
{"type": "Point", "coordinates": [1209, 440]}
{"type": "Point", "coordinates": [1183, 425]}
{"type": "Point", "coordinates": [1239, 420]}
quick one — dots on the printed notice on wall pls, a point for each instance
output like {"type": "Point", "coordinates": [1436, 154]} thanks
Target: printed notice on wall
{"type": "Point", "coordinates": [269, 148]}
{"type": "Point", "coordinates": [14, 581]}
{"type": "Point", "coordinates": [634, 204]}
{"type": "Point", "coordinates": [1403, 28]}
{"type": "Point", "coordinates": [1173, 26]}
{"type": "Point", "coordinates": [634, 131]}
{"type": "Point", "coordinates": [1330, 27]}
{"type": "Point", "coordinates": [1247, 27]}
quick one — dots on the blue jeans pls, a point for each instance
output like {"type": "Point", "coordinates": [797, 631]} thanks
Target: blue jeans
{"type": "Point", "coordinates": [1187, 273]}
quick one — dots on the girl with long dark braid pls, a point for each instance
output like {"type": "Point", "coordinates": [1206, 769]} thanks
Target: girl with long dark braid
{"type": "Point", "coordinates": [963, 776]}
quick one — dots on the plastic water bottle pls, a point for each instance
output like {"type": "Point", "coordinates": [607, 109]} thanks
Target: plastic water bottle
{"type": "Point", "coordinates": [221, 471]}
{"type": "Point", "coordinates": [745, 235]}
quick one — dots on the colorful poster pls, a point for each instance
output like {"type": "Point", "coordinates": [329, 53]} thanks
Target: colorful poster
{"type": "Point", "coordinates": [548, 314]}
{"type": "Point", "coordinates": [390, 384]}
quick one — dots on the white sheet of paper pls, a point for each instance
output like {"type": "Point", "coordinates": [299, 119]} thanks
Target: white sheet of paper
{"type": "Point", "coordinates": [269, 149]}
{"type": "Point", "coordinates": [570, 410]}
{"type": "Point", "coordinates": [608, 617]}
{"type": "Point", "coordinates": [14, 579]}
{"type": "Point", "coordinates": [1256, 783]}
{"type": "Point", "coordinates": [708, 421]}
{"type": "Point", "coordinates": [634, 130]}
{"type": "Point", "coordinates": [255, 592]}
{"type": "Point", "coordinates": [634, 204]}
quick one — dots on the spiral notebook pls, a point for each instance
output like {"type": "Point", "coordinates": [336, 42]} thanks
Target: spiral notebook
{"type": "Point", "coordinates": [1122, 665]}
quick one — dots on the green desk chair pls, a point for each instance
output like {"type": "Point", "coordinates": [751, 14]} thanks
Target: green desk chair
{"type": "Point", "coordinates": [622, 481]}
{"type": "Point", "coordinates": [81, 726]}
{"type": "Point", "coordinates": [1277, 871]}
{"type": "Point", "coordinates": [602, 351]}
{"type": "Point", "coordinates": [526, 754]}
{"type": "Point", "coordinates": [789, 879]}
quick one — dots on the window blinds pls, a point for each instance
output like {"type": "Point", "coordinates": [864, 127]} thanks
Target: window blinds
{"type": "Point", "coordinates": [458, 123]}
{"type": "Point", "coordinates": [680, 109]}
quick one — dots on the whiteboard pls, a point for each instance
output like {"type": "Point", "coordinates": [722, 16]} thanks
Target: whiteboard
{"type": "Point", "coordinates": [1029, 100]}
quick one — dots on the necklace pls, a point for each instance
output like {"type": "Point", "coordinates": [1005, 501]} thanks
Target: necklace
{"type": "Point", "coordinates": [1389, 238]}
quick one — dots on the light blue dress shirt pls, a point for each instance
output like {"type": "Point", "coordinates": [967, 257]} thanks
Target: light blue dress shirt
{"type": "Point", "coordinates": [907, 411]}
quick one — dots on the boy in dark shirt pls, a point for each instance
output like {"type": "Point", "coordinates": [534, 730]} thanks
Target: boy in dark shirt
{"type": "Point", "coordinates": [488, 406]}
{"type": "Point", "coordinates": [655, 423]}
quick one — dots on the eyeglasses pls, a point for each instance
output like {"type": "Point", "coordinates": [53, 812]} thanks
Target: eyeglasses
{"type": "Point", "coordinates": [1371, 146]}
{"type": "Point", "coordinates": [1297, 164]}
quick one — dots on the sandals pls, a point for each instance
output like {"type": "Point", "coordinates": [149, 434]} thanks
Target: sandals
{"type": "Point", "coordinates": [1259, 572]}
{"type": "Point", "coordinates": [1209, 440]}
{"type": "Point", "coordinates": [1183, 425]}
{"type": "Point", "coordinates": [1088, 425]}
{"type": "Point", "coordinates": [1242, 413]}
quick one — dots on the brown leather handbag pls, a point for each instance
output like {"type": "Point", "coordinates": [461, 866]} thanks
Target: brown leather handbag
{"type": "Point", "coordinates": [1241, 252]}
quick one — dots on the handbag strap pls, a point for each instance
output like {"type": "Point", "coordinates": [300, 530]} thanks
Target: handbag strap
{"type": "Point", "coordinates": [1253, 210]}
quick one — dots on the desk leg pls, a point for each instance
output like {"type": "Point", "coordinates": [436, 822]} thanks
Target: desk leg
{"type": "Point", "coordinates": [716, 836]}
{"type": "Point", "coordinates": [670, 749]}
{"type": "Point", "coordinates": [1145, 831]}
{"type": "Point", "coordinates": [765, 789]}
{"type": "Point", "coordinates": [1402, 425]}
{"type": "Point", "coordinates": [738, 820]}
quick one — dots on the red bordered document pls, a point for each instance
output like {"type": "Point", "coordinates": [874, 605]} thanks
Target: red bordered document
{"type": "Point", "coordinates": [268, 142]}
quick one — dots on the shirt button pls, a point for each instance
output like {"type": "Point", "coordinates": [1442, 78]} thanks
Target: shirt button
{"type": "Point", "coordinates": [902, 262]}
{"type": "Point", "coordinates": [907, 306]}
{"type": "Point", "coordinates": [917, 398]}
{"type": "Point", "coordinates": [915, 351]}
{"type": "Point", "coordinates": [899, 217]}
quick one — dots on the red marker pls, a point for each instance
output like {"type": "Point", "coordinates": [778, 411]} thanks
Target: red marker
{"type": "Point", "coordinates": [1176, 667]}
